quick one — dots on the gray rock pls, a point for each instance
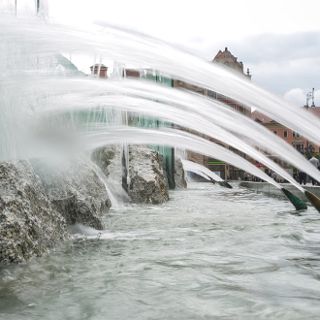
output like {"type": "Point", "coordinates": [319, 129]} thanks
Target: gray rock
{"type": "Point", "coordinates": [147, 181]}
{"type": "Point", "coordinates": [29, 225]}
{"type": "Point", "coordinates": [105, 157]}
{"type": "Point", "coordinates": [179, 175]}
{"type": "Point", "coordinates": [109, 160]}
{"type": "Point", "coordinates": [76, 190]}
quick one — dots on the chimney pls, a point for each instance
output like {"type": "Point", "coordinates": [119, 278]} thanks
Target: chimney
{"type": "Point", "coordinates": [99, 69]}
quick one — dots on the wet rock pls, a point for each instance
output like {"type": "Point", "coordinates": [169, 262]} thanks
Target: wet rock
{"type": "Point", "coordinates": [109, 160]}
{"type": "Point", "coordinates": [76, 190]}
{"type": "Point", "coordinates": [179, 175]}
{"type": "Point", "coordinates": [105, 157]}
{"type": "Point", "coordinates": [29, 224]}
{"type": "Point", "coordinates": [147, 180]}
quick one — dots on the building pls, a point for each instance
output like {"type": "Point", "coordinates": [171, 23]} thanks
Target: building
{"type": "Point", "coordinates": [294, 138]}
{"type": "Point", "coordinates": [228, 60]}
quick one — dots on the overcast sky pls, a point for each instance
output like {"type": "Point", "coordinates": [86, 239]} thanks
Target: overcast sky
{"type": "Point", "coordinates": [279, 40]}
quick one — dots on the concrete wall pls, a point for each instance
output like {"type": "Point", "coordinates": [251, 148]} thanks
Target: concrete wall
{"type": "Point", "coordinates": [270, 189]}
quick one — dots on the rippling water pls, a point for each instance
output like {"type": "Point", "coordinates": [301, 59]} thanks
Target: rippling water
{"type": "Point", "coordinates": [209, 253]}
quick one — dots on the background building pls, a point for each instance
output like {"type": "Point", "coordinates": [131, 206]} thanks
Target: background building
{"type": "Point", "coordinates": [228, 60]}
{"type": "Point", "coordinates": [300, 143]}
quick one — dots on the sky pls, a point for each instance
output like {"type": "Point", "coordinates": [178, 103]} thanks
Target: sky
{"type": "Point", "coordinates": [279, 40]}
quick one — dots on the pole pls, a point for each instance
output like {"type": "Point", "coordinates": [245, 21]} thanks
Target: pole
{"type": "Point", "coordinates": [15, 7]}
{"type": "Point", "coordinates": [312, 105]}
{"type": "Point", "coordinates": [38, 6]}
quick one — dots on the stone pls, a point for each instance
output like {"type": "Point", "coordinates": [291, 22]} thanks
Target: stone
{"type": "Point", "coordinates": [147, 182]}
{"type": "Point", "coordinates": [179, 175]}
{"type": "Point", "coordinates": [104, 157]}
{"type": "Point", "coordinates": [109, 160]}
{"type": "Point", "coordinates": [77, 190]}
{"type": "Point", "coordinates": [29, 224]}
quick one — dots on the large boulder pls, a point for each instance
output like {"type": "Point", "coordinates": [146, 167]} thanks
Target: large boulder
{"type": "Point", "coordinates": [29, 224]}
{"type": "Point", "coordinates": [77, 190]}
{"type": "Point", "coordinates": [147, 182]}
{"type": "Point", "coordinates": [179, 175]}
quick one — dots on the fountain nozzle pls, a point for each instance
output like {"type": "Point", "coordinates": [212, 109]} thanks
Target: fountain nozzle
{"type": "Point", "coordinates": [297, 202]}
{"type": "Point", "coordinates": [315, 201]}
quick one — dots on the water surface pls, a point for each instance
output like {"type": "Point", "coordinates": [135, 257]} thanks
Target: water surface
{"type": "Point", "coordinates": [209, 253]}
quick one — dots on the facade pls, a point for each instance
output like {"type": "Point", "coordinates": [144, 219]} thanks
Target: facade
{"type": "Point", "coordinates": [294, 138]}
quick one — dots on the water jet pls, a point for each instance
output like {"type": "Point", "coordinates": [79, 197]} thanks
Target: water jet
{"type": "Point", "coordinates": [315, 201]}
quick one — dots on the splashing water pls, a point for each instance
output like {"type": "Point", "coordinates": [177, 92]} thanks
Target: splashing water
{"type": "Point", "coordinates": [200, 170]}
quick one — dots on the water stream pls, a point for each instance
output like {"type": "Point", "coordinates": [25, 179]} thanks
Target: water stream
{"type": "Point", "coordinates": [200, 170]}
{"type": "Point", "coordinates": [115, 43]}
{"type": "Point", "coordinates": [187, 109]}
{"type": "Point", "coordinates": [44, 40]}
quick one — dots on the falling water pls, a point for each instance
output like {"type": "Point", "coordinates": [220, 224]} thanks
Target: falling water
{"type": "Point", "coordinates": [185, 119]}
{"type": "Point", "coordinates": [200, 170]}
{"type": "Point", "coordinates": [184, 108]}
{"type": "Point", "coordinates": [103, 178]}
{"type": "Point", "coordinates": [173, 138]}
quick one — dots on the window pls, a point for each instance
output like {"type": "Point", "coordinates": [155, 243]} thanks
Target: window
{"type": "Point", "coordinates": [295, 134]}
{"type": "Point", "coordinates": [285, 134]}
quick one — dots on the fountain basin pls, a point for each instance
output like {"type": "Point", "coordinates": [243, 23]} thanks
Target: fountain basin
{"type": "Point", "coordinates": [271, 190]}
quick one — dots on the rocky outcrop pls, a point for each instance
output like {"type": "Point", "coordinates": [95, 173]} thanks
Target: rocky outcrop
{"type": "Point", "coordinates": [29, 224]}
{"type": "Point", "coordinates": [38, 201]}
{"type": "Point", "coordinates": [179, 175]}
{"type": "Point", "coordinates": [147, 183]}
{"type": "Point", "coordinates": [76, 191]}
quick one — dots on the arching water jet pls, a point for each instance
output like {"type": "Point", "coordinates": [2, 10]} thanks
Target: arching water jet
{"type": "Point", "coordinates": [175, 138]}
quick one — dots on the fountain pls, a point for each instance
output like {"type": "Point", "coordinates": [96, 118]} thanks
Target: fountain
{"type": "Point", "coordinates": [59, 111]}
{"type": "Point", "coordinates": [205, 173]}
{"type": "Point", "coordinates": [207, 253]}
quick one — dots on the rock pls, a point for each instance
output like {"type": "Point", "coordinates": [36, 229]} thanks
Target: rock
{"type": "Point", "coordinates": [105, 157]}
{"type": "Point", "coordinates": [109, 160]}
{"type": "Point", "coordinates": [29, 225]}
{"type": "Point", "coordinates": [179, 175]}
{"type": "Point", "coordinates": [147, 181]}
{"type": "Point", "coordinates": [76, 190]}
